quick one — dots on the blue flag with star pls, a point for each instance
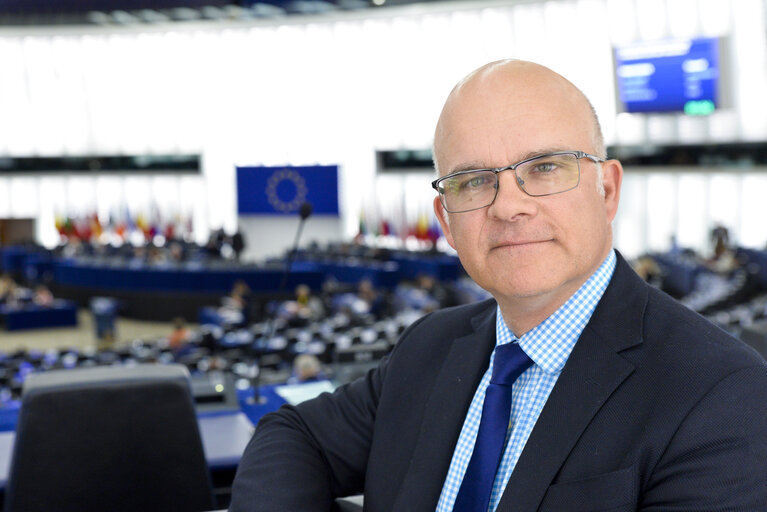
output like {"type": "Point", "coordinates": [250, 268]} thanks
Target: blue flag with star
{"type": "Point", "coordinates": [282, 190]}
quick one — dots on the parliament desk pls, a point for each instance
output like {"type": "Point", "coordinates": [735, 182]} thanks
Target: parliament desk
{"type": "Point", "coordinates": [108, 277]}
{"type": "Point", "coordinates": [61, 314]}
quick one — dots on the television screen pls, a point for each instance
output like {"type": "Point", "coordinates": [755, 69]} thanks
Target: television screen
{"type": "Point", "coordinates": [674, 75]}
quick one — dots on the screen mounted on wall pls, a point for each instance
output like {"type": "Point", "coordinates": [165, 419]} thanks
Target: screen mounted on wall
{"type": "Point", "coordinates": [673, 75]}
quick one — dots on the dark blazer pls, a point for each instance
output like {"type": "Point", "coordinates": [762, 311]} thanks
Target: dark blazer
{"type": "Point", "coordinates": [655, 410]}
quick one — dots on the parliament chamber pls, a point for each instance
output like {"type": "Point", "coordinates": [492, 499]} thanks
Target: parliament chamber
{"type": "Point", "coordinates": [212, 208]}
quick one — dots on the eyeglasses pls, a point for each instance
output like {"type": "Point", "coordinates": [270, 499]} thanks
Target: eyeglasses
{"type": "Point", "coordinates": [544, 175]}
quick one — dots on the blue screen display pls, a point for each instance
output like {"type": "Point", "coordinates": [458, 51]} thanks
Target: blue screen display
{"type": "Point", "coordinates": [677, 75]}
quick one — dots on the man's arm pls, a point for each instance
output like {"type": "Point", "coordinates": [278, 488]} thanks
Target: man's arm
{"type": "Point", "coordinates": [302, 457]}
{"type": "Point", "coordinates": [717, 460]}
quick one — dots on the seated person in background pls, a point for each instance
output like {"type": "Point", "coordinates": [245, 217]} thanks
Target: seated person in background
{"type": "Point", "coordinates": [7, 289]}
{"type": "Point", "coordinates": [306, 368]}
{"type": "Point", "coordinates": [723, 259]}
{"type": "Point", "coordinates": [43, 296]}
{"type": "Point", "coordinates": [360, 305]}
{"type": "Point", "coordinates": [156, 255]}
{"type": "Point", "coordinates": [180, 335]}
{"type": "Point", "coordinates": [73, 248]}
{"type": "Point", "coordinates": [175, 252]}
{"type": "Point", "coordinates": [309, 306]}
{"type": "Point", "coordinates": [235, 307]}
{"type": "Point", "coordinates": [303, 309]}
{"type": "Point", "coordinates": [139, 257]}
{"type": "Point", "coordinates": [410, 296]}
{"type": "Point", "coordinates": [647, 268]}
{"type": "Point", "coordinates": [377, 302]}
{"type": "Point", "coordinates": [443, 293]}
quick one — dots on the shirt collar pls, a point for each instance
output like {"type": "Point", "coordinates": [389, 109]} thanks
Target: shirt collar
{"type": "Point", "coordinates": [549, 343]}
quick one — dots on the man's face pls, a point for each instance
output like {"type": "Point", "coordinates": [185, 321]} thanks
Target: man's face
{"type": "Point", "coordinates": [523, 247]}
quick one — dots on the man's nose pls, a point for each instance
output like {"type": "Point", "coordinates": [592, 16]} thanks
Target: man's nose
{"type": "Point", "coordinates": [511, 201]}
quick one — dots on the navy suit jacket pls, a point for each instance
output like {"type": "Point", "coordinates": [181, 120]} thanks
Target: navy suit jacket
{"type": "Point", "coordinates": [655, 410]}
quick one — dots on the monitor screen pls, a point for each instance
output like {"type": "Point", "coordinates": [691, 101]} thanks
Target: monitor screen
{"type": "Point", "coordinates": [673, 75]}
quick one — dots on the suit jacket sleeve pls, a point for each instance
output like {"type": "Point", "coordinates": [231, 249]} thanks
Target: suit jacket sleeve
{"type": "Point", "coordinates": [302, 457]}
{"type": "Point", "coordinates": [717, 459]}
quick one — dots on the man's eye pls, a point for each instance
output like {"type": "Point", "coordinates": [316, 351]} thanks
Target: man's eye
{"type": "Point", "coordinates": [476, 181]}
{"type": "Point", "coordinates": [544, 167]}
{"type": "Point", "coordinates": [468, 183]}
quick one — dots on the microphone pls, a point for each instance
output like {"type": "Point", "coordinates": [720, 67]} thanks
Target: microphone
{"type": "Point", "coordinates": [304, 211]}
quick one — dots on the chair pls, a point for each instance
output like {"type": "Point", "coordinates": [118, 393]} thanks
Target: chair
{"type": "Point", "coordinates": [108, 438]}
{"type": "Point", "coordinates": [350, 504]}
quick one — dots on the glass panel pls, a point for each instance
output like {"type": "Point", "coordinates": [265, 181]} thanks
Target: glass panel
{"type": "Point", "coordinates": [630, 224]}
{"type": "Point", "coordinates": [724, 206]}
{"type": "Point", "coordinates": [661, 210]}
{"type": "Point", "coordinates": [692, 215]}
{"type": "Point", "coordinates": [753, 210]}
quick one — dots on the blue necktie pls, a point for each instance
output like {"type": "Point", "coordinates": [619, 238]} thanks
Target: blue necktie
{"type": "Point", "coordinates": [474, 494]}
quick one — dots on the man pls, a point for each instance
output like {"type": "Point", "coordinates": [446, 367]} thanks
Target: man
{"type": "Point", "coordinates": [630, 401]}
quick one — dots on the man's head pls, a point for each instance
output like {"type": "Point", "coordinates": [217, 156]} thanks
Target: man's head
{"type": "Point", "coordinates": [531, 253]}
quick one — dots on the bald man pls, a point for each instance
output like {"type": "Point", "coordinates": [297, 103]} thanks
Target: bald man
{"type": "Point", "coordinates": [628, 401]}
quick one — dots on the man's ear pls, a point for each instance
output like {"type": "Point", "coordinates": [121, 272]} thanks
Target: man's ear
{"type": "Point", "coordinates": [441, 214]}
{"type": "Point", "coordinates": [612, 177]}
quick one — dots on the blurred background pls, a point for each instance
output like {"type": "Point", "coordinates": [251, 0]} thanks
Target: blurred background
{"type": "Point", "coordinates": [187, 93]}
{"type": "Point", "coordinates": [244, 187]}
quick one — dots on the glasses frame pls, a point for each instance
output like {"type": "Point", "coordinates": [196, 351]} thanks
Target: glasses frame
{"type": "Point", "coordinates": [513, 167]}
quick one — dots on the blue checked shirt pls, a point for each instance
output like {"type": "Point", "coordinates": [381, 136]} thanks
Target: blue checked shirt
{"type": "Point", "coordinates": [549, 345]}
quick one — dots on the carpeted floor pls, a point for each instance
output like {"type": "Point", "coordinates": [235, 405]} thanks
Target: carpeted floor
{"type": "Point", "coordinates": [83, 336]}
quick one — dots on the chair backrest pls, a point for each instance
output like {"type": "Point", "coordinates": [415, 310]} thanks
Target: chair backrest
{"type": "Point", "coordinates": [109, 438]}
{"type": "Point", "coordinates": [349, 504]}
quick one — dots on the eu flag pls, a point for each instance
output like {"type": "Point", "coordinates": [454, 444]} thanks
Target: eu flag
{"type": "Point", "coordinates": [282, 190]}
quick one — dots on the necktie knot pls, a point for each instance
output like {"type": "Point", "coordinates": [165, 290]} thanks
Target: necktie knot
{"type": "Point", "coordinates": [509, 363]}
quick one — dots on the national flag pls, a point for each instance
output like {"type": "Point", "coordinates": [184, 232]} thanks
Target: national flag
{"type": "Point", "coordinates": [95, 225]}
{"type": "Point", "coordinates": [363, 228]}
{"type": "Point", "coordinates": [60, 223]}
{"type": "Point", "coordinates": [422, 227]}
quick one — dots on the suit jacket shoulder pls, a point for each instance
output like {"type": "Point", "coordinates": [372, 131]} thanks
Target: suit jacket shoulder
{"type": "Point", "coordinates": [654, 407]}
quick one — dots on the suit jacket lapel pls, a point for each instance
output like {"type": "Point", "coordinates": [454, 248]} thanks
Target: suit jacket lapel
{"type": "Point", "coordinates": [446, 408]}
{"type": "Point", "coordinates": [593, 371]}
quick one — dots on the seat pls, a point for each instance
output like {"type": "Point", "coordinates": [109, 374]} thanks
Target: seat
{"type": "Point", "coordinates": [350, 504]}
{"type": "Point", "coordinates": [109, 438]}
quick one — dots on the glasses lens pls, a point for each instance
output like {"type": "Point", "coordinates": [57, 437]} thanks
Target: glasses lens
{"type": "Point", "coordinates": [549, 174]}
{"type": "Point", "coordinates": [468, 191]}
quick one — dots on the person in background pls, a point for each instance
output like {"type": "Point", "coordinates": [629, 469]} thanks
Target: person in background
{"type": "Point", "coordinates": [7, 289]}
{"type": "Point", "coordinates": [303, 309]}
{"type": "Point", "coordinates": [648, 269]}
{"type": "Point", "coordinates": [43, 296]}
{"type": "Point", "coordinates": [577, 387]}
{"type": "Point", "coordinates": [723, 257]}
{"type": "Point", "coordinates": [179, 336]}
{"type": "Point", "coordinates": [306, 368]}
{"type": "Point", "coordinates": [235, 307]}
{"type": "Point", "coordinates": [378, 303]}
{"type": "Point", "coordinates": [238, 244]}
{"type": "Point", "coordinates": [444, 293]}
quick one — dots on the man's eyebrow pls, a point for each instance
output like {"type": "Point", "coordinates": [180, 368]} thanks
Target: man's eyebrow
{"type": "Point", "coordinates": [468, 166]}
{"type": "Point", "coordinates": [476, 164]}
